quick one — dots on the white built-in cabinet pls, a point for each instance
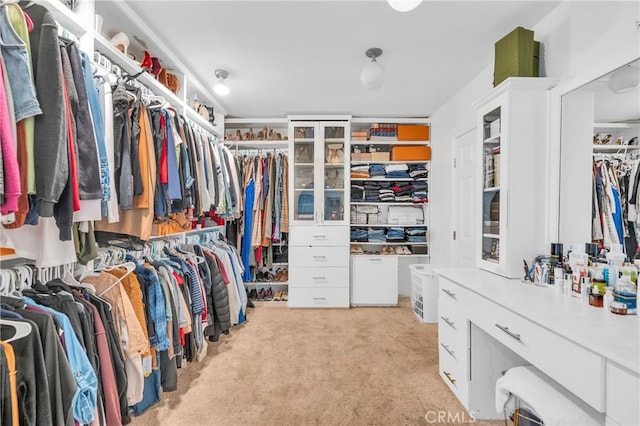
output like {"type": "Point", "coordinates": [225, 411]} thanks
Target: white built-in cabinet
{"type": "Point", "coordinates": [511, 128]}
{"type": "Point", "coordinates": [488, 324]}
{"type": "Point", "coordinates": [319, 214]}
{"type": "Point", "coordinates": [377, 278]}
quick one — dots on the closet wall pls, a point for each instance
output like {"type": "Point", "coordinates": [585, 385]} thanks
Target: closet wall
{"type": "Point", "coordinates": [572, 52]}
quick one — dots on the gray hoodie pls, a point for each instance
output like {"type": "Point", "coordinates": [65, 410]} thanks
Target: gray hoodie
{"type": "Point", "coordinates": [50, 138]}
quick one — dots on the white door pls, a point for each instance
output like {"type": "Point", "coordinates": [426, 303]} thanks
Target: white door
{"type": "Point", "coordinates": [464, 195]}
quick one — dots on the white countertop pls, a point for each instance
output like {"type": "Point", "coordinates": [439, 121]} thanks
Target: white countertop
{"type": "Point", "coordinates": [616, 337]}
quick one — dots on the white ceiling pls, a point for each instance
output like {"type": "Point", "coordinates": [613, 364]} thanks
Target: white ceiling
{"type": "Point", "coordinates": [305, 57]}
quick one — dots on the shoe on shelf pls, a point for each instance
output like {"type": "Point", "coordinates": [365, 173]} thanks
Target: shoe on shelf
{"type": "Point", "coordinates": [147, 62]}
{"type": "Point", "coordinates": [284, 296]}
{"type": "Point", "coordinates": [285, 275]}
{"type": "Point", "coordinates": [156, 67]}
{"type": "Point", "coordinates": [261, 294]}
{"type": "Point", "coordinates": [276, 297]}
{"type": "Point", "coordinates": [268, 294]}
{"type": "Point", "coordinates": [253, 294]}
{"type": "Point", "coordinates": [121, 42]}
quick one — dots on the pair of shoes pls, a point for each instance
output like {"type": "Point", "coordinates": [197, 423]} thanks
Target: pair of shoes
{"type": "Point", "coordinates": [282, 274]}
{"type": "Point", "coordinates": [268, 294]}
{"type": "Point", "coordinates": [357, 249]}
{"type": "Point", "coordinates": [253, 294]}
{"type": "Point", "coordinates": [388, 250]}
{"type": "Point", "coordinates": [403, 250]}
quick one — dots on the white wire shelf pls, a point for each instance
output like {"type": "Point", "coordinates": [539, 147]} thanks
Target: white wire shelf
{"type": "Point", "coordinates": [616, 125]}
{"type": "Point", "coordinates": [282, 144]}
{"type": "Point", "coordinates": [391, 179]}
{"type": "Point", "coordinates": [381, 203]}
{"type": "Point", "coordinates": [402, 243]}
{"type": "Point", "coordinates": [364, 162]}
{"type": "Point", "coordinates": [614, 148]}
{"type": "Point", "coordinates": [386, 225]}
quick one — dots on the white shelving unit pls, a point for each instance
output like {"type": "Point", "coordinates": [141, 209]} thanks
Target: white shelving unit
{"type": "Point", "coordinates": [252, 147]}
{"type": "Point", "coordinates": [377, 279]}
{"type": "Point", "coordinates": [131, 67]}
{"type": "Point", "coordinates": [81, 26]}
{"type": "Point", "coordinates": [256, 125]}
{"type": "Point", "coordinates": [65, 17]}
{"type": "Point", "coordinates": [319, 213]}
{"type": "Point", "coordinates": [514, 112]}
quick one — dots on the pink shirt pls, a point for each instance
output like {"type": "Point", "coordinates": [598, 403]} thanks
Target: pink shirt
{"type": "Point", "coordinates": [9, 156]}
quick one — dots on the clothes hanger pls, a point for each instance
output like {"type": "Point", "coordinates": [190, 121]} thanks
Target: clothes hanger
{"type": "Point", "coordinates": [119, 280]}
{"type": "Point", "coordinates": [69, 279]}
{"type": "Point", "coordinates": [22, 329]}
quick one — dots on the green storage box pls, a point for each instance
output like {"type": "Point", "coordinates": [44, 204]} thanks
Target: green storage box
{"type": "Point", "coordinates": [517, 55]}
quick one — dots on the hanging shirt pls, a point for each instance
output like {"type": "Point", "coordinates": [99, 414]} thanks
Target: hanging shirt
{"type": "Point", "coordinates": [85, 399]}
{"type": "Point", "coordinates": [174, 191]}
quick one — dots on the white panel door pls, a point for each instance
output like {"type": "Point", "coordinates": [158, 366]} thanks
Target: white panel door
{"type": "Point", "coordinates": [464, 188]}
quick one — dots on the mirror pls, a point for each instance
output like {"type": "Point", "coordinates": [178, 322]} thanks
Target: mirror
{"type": "Point", "coordinates": [599, 175]}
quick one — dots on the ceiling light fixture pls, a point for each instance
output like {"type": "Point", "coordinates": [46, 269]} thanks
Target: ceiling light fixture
{"type": "Point", "coordinates": [404, 5]}
{"type": "Point", "coordinates": [372, 73]}
{"type": "Point", "coordinates": [625, 79]}
{"type": "Point", "coordinates": [221, 87]}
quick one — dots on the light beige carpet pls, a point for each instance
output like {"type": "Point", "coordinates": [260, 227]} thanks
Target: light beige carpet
{"type": "Point", "coordinates": [360, 366]}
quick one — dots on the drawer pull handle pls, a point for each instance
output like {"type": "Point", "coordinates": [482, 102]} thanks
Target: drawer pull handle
{"type": "Point", "coordinates": [375, 260]}
{"type": "Point", "coordinates": [452, 380]}
{"type": "Point", "coordinates": [446, 348]}
{"type": "Point", "coordinates": [320, 258]}
{"type": "Point", "coordinates": [448, 321]}
{"type": "Point", "coordinates": [509, 332]}
{"type": "Point", "coordinates": [450, 293]}
{"type": "Point", "coordinates": [320, 237]}
{"type": "Point", "coordinates": [319, 298]}
{"type": "Point", "coordinates": [320, 278]}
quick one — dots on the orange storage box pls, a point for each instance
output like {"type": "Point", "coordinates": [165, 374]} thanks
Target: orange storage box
{"type": "Point", "coordinates": [410, 153]}
{"type": "Point", "coordinates": [413, 132]}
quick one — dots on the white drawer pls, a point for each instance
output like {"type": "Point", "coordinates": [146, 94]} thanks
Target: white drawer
{"type": "Point", "coordinates": [319, 236]}
{"type": "Point", "coordinates": [451, 312]}
{"type": "Point", "coordinates": [452, 372]}
{"type": "Point", "coordinates": [451, 290]}
{"type": "Point", "coordinates": [319, 257]}
{"type": "Point", "coordinates": [316, 297]}
{"type": "Point", "coordinates": [622, 395]}
{"type": "Point", "coordinates": [374, 280]}
{"type": "Point", "coordinates": [452, 341]}
{"type": "Point", "coordinates": [318, 277]}
{"type": "Point", "coordinates": [574, 367]}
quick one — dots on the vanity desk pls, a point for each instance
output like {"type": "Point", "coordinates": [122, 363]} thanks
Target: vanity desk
{"type": "Point", "coordinates": [488, 324]}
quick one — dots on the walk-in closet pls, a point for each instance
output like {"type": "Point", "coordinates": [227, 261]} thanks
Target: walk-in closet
{"type": "Point", "coordinates": [265, 212]}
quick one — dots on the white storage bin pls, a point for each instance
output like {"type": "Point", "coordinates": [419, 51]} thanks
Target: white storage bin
{"type": "Point", "coordinates": [424, 293]}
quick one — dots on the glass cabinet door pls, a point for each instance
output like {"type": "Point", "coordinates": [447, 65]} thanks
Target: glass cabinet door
{"type": "Point", "coordinates": [335, 155]}
{"type": "Point", "coordinates": [491, 186]}
{"type": "Point", "coordinates": [302, 158]}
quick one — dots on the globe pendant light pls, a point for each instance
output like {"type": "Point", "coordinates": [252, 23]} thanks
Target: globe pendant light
{"type": "Point", "coordinates": [221, 87]}
{"type": "Point", "coordinates": [404, 5]}
{"type": "Point", "coordinates": [625, 79]}
{"type": "Point", "coordinates": [373, 73]}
